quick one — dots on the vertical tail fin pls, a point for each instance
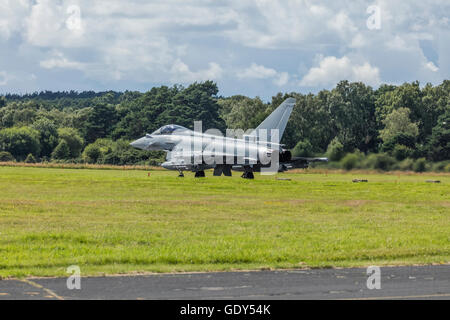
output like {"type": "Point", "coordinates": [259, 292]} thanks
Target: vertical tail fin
{"type": "Point", "coordinates": [277, 120]}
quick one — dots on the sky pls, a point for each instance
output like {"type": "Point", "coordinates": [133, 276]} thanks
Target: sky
{"type": "Point", "coordinates": [249, 47]}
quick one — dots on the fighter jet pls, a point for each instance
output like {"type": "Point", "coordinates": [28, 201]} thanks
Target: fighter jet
{"type": "Point", "coordinates": [256, 151]}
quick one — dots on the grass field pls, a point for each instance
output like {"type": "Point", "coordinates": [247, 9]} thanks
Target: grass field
{"type": "Point", "coordinates": [117, 221]}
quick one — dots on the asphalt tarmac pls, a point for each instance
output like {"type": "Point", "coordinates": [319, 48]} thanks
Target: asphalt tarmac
{"type": "Point", "coordinates": [413, 282]}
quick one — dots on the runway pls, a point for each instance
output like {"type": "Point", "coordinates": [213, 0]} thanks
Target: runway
{"type": "Point", "coordinates": [413, 282]}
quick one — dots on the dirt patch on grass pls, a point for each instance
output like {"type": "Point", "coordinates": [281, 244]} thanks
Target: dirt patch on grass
{"type": "Point", "coordinates": [80, 166]}
{"type": "Point", "coordinates": [21, 202]}
{"type": "Point", "coordinates": [368, 171]}
{"type": "Point", "coordinates": [356, 203]}
{"type": "Point", "coordinates": [296, 201]}
{"type": "Point", "coordinates": [350, 203]}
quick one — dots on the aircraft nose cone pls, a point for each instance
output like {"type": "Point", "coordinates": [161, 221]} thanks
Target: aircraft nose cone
{"type": "Point", "coordinates": [141, 143]}
{"type": "Point", "coordinates": [134, 143]}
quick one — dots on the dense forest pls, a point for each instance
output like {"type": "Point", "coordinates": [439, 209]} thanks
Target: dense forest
{"type": "Point", "coordinates": [405, 127]}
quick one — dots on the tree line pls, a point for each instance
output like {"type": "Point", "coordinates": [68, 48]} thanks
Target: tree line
{"type": "Point", "coordinates": [393, 127]}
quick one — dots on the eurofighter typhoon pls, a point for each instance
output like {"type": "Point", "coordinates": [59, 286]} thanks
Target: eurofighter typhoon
{"type": "Point", "coordinates": [256, 151]}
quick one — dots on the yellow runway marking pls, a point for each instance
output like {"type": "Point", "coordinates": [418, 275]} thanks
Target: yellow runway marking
{"type": "Point", "coordinates": [4, 294]}
{"type": "Point", "coordinates": [37, 285]}
{"type": "Point", "coordinates": [403, 297]}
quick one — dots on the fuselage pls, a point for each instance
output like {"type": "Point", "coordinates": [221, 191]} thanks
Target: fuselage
{"type": "Point", "coordinates": [259, 151]}
{"type": "Point", "coordinates": [190, 150]}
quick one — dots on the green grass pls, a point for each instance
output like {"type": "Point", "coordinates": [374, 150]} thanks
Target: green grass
{"type": "Point", "coordinates": [117, 221]}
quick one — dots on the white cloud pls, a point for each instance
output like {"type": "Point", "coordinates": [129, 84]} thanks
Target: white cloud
{"type": "Point", "coordinates": [121, 41]}
{"type": "Point", "coordinates": [170, 41]}
{"type": "Point", "coordinates": [318, 10]}
{"type": "Point", "coordinates": [59, 61]}
{"type": "Point", "coordinates": [182, 73]}
{"type": "Point", "coordinates": [12, 14]}
{"type": "Point", "coordinates": [365, 73]}
{"type": "Point", "coordinates": [272, 24]}
{"type": "Point", "coordinates": [358, 41]}
{"type": "Point", "coordinates": [51, 24]}
{"type": "Point", "coordinates": [431, 66]}
{"type": "Point", "coordinates": [3, 78]}
{"type": "Point", "coordinates": [397, 43]}
{"type": "Point", "coordinates": [339, 29]}
{"type": "Point", "coordinates": [342, 24]}
{"type": "Point", "coordinates": [282, 79]}
{"type": "Point", "coordinates": [331, 70]}
{"type": "Point", "coordinates": [256, 71]}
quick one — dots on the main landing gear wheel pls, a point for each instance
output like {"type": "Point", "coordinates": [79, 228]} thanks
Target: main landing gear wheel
{"type": "Point", "coordinates": [248, 174]}
{"type": "Point", "coordinates": [227, 171]}
{"type": "Point", "coordinates": [199, 174]}
{"type": "Point", "coordinates": [181, 175]}
{"type": "Point", "coordinates": [222, 169]}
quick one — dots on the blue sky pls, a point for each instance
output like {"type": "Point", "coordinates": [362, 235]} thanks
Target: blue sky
{"type": "Point", "coordinates": [255, 48]}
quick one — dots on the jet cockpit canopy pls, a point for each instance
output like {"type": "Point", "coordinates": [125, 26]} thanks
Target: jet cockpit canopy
{"type": "Point", "coordinates": [168, 129]}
